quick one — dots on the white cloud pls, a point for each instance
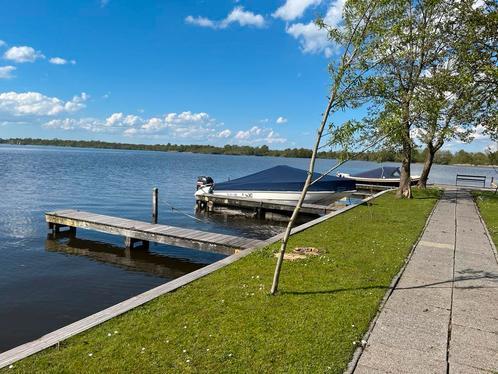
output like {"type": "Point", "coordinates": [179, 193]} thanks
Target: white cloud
{"type": "Point", "coordinates": [6, 71]}
{"type": "Point", "coordinates": [258, 134]}
{"type": "Point", "coordinates": [2, 43]}
{"type": "Point", "coordinates": [23, 54]}
{"type": "Point", "coordinates": [200, 21]}
{"type": "Point", "coordinates": [89, 124]}
{"type": "Point", "coordinates": [103, 3]}
{"type": "Point", "coordinates": [224, 134]}
{"type": "Point", "coordinates": [61, 61]}
{"type": "Point", "coordinates": [254, 131]}
{"type": "Point", "coordinates": [37, 104]}
{"type": "Point", "coordinates": [243, 18]}
{"type": "Point", "coordinates": [293, 9]}
{"type": "Point", "coordinates": [311, 38]}
{"type": "Point", "coordinates": [281, 120]}
{"type": "Point", "coordinates": [237, 15]}
{"type": "Point", "coordinates": [274, 137]}
{"type": "Point", "coordinates": [315, 40]}
{"type": "Point", "coordinates": [185, 125]}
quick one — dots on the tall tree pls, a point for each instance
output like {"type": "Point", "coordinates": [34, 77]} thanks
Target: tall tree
{"type": "Point", "coordinates": [458, 94]}
{"type": "Point", "coordinates": [413, 42]}
{"type": "Point", "coordinates": [357, 41]}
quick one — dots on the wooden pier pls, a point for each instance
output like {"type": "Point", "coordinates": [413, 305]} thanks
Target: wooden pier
{"type": "Point", "coordinates": [143, 232]}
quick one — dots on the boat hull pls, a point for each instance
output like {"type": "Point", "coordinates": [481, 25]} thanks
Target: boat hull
{"type": "Point", "coordinates": [391, 182]}
{"type": "Point", "coordinates": [288, 197]}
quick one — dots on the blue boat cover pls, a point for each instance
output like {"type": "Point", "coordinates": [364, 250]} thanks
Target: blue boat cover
{"type": "Point", "coordinates": [382, 172]}
{"type": "Point", "coordinates": [284, 178]}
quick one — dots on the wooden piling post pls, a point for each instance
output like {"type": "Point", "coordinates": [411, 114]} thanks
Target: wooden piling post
{"type": "Point", "coordinates": [155, 192]}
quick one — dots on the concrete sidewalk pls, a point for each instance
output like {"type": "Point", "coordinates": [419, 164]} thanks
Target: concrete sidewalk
{"type": "Point", "coordinates": [442, 316]}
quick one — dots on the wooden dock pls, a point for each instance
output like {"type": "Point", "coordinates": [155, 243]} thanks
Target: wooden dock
{"type": "Point", "coordinates": [143, 232]}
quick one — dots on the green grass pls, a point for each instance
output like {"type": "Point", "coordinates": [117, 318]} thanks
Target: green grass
{"type": "Point", "coordinates": [227, 322]}
{"type": "Point", "coordinates": [488, 206]}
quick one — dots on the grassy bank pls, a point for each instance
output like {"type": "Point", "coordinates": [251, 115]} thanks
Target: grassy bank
{"type": "Point", "coordinates": [488, 206]}
{"type": "Point", "coordinates": [227, 322]}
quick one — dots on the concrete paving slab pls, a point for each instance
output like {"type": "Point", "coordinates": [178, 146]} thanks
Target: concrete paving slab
{"type": "Point", "coordinates": [393, 334]}
{"type": "Point", "coordinates": [477, 263]}
{"type": "Point", "coordinates": [476, 308]}
{"type": "Point", "coordinates": [430, 319]}
{"type": "Point", "coordinates": [455, 368]}
{"type": "Point", "coordinates": [439, 236]}
{"type": "Point", "coordinates": [478, 321]}
{"type": "Point", "coordinates": [422, 297]}
{"type": "Point", "coordinates": [472, 241]}
{"type": "Point", "coordinates": [475, 348]}
{"type": "Point", "coordinates": [401, 360]}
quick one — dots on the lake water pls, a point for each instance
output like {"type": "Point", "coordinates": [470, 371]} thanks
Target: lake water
{"type": "Point", "coordinates": [46, 284]}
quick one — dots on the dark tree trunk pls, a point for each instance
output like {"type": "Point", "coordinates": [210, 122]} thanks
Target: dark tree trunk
{"type": "Point", "coordinates": [429, 159]}
{"type": "Point", "coordinates": [405, 189]}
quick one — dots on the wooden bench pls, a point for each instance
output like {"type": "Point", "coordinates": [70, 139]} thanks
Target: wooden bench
{"type": "Point", "coordinates": [494, 184]}
{"type": "Point", "coordinates": [471, 178]}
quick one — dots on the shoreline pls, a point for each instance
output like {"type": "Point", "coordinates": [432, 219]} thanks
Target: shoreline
{"type": "Point", "coordinates": [227, 150]}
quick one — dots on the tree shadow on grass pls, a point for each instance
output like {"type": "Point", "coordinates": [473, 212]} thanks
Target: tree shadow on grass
{"type": "Point", "coordinates": [464, 275]}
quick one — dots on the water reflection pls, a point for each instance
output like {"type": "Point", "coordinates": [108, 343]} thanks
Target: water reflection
{"type": "Point", "coordinates": [136, 259]}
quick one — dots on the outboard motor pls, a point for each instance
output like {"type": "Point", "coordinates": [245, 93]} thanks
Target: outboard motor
{"type": "Point", "coordinates": [205, 184]}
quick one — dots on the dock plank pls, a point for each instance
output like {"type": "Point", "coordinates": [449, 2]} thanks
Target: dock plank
{"type": "Point", "coordinates": [178, 236]}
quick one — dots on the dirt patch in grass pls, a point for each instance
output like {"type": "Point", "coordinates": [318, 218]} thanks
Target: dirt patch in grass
{"type": "Point", "coordinates": [300, 253]}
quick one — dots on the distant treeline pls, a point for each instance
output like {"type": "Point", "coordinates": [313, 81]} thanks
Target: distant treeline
{"type": "Point", "coordinates": [442, 157]}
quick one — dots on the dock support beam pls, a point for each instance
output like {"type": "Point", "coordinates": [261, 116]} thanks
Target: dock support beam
{"type": "Point", "coordinates": [56, 228]}
{"type": "Point", "coordinates": [155, 192]}
{"type": "Point", "coordinates": [130, 243]}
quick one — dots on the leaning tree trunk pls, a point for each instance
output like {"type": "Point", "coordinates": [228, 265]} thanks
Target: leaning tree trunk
{"type": "Point", "coordinates": [429, 159]}
{"type": "Point", "coordinates": [300, 202]}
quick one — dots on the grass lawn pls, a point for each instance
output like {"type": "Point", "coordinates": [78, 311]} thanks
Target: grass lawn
{"type": "Point", "coordinates": [488, 207]}
{"type": "Point", "coordinates": [227, 322]}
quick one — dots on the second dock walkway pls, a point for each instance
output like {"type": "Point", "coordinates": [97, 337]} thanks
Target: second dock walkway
{"type": "Point", "coordinates": [139, 231]}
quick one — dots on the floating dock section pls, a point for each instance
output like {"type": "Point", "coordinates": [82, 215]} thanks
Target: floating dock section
{"type": "Point", "coordinates": [138, 232]}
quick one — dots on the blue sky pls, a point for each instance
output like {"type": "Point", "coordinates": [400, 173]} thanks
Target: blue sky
{"type": "Point", "coordinates": [183, 71]}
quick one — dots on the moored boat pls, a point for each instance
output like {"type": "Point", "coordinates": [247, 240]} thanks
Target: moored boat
{"type": "Point", "coordinates": [383, 176]}
{"type": "Point", "coordinates": [280, 183]}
